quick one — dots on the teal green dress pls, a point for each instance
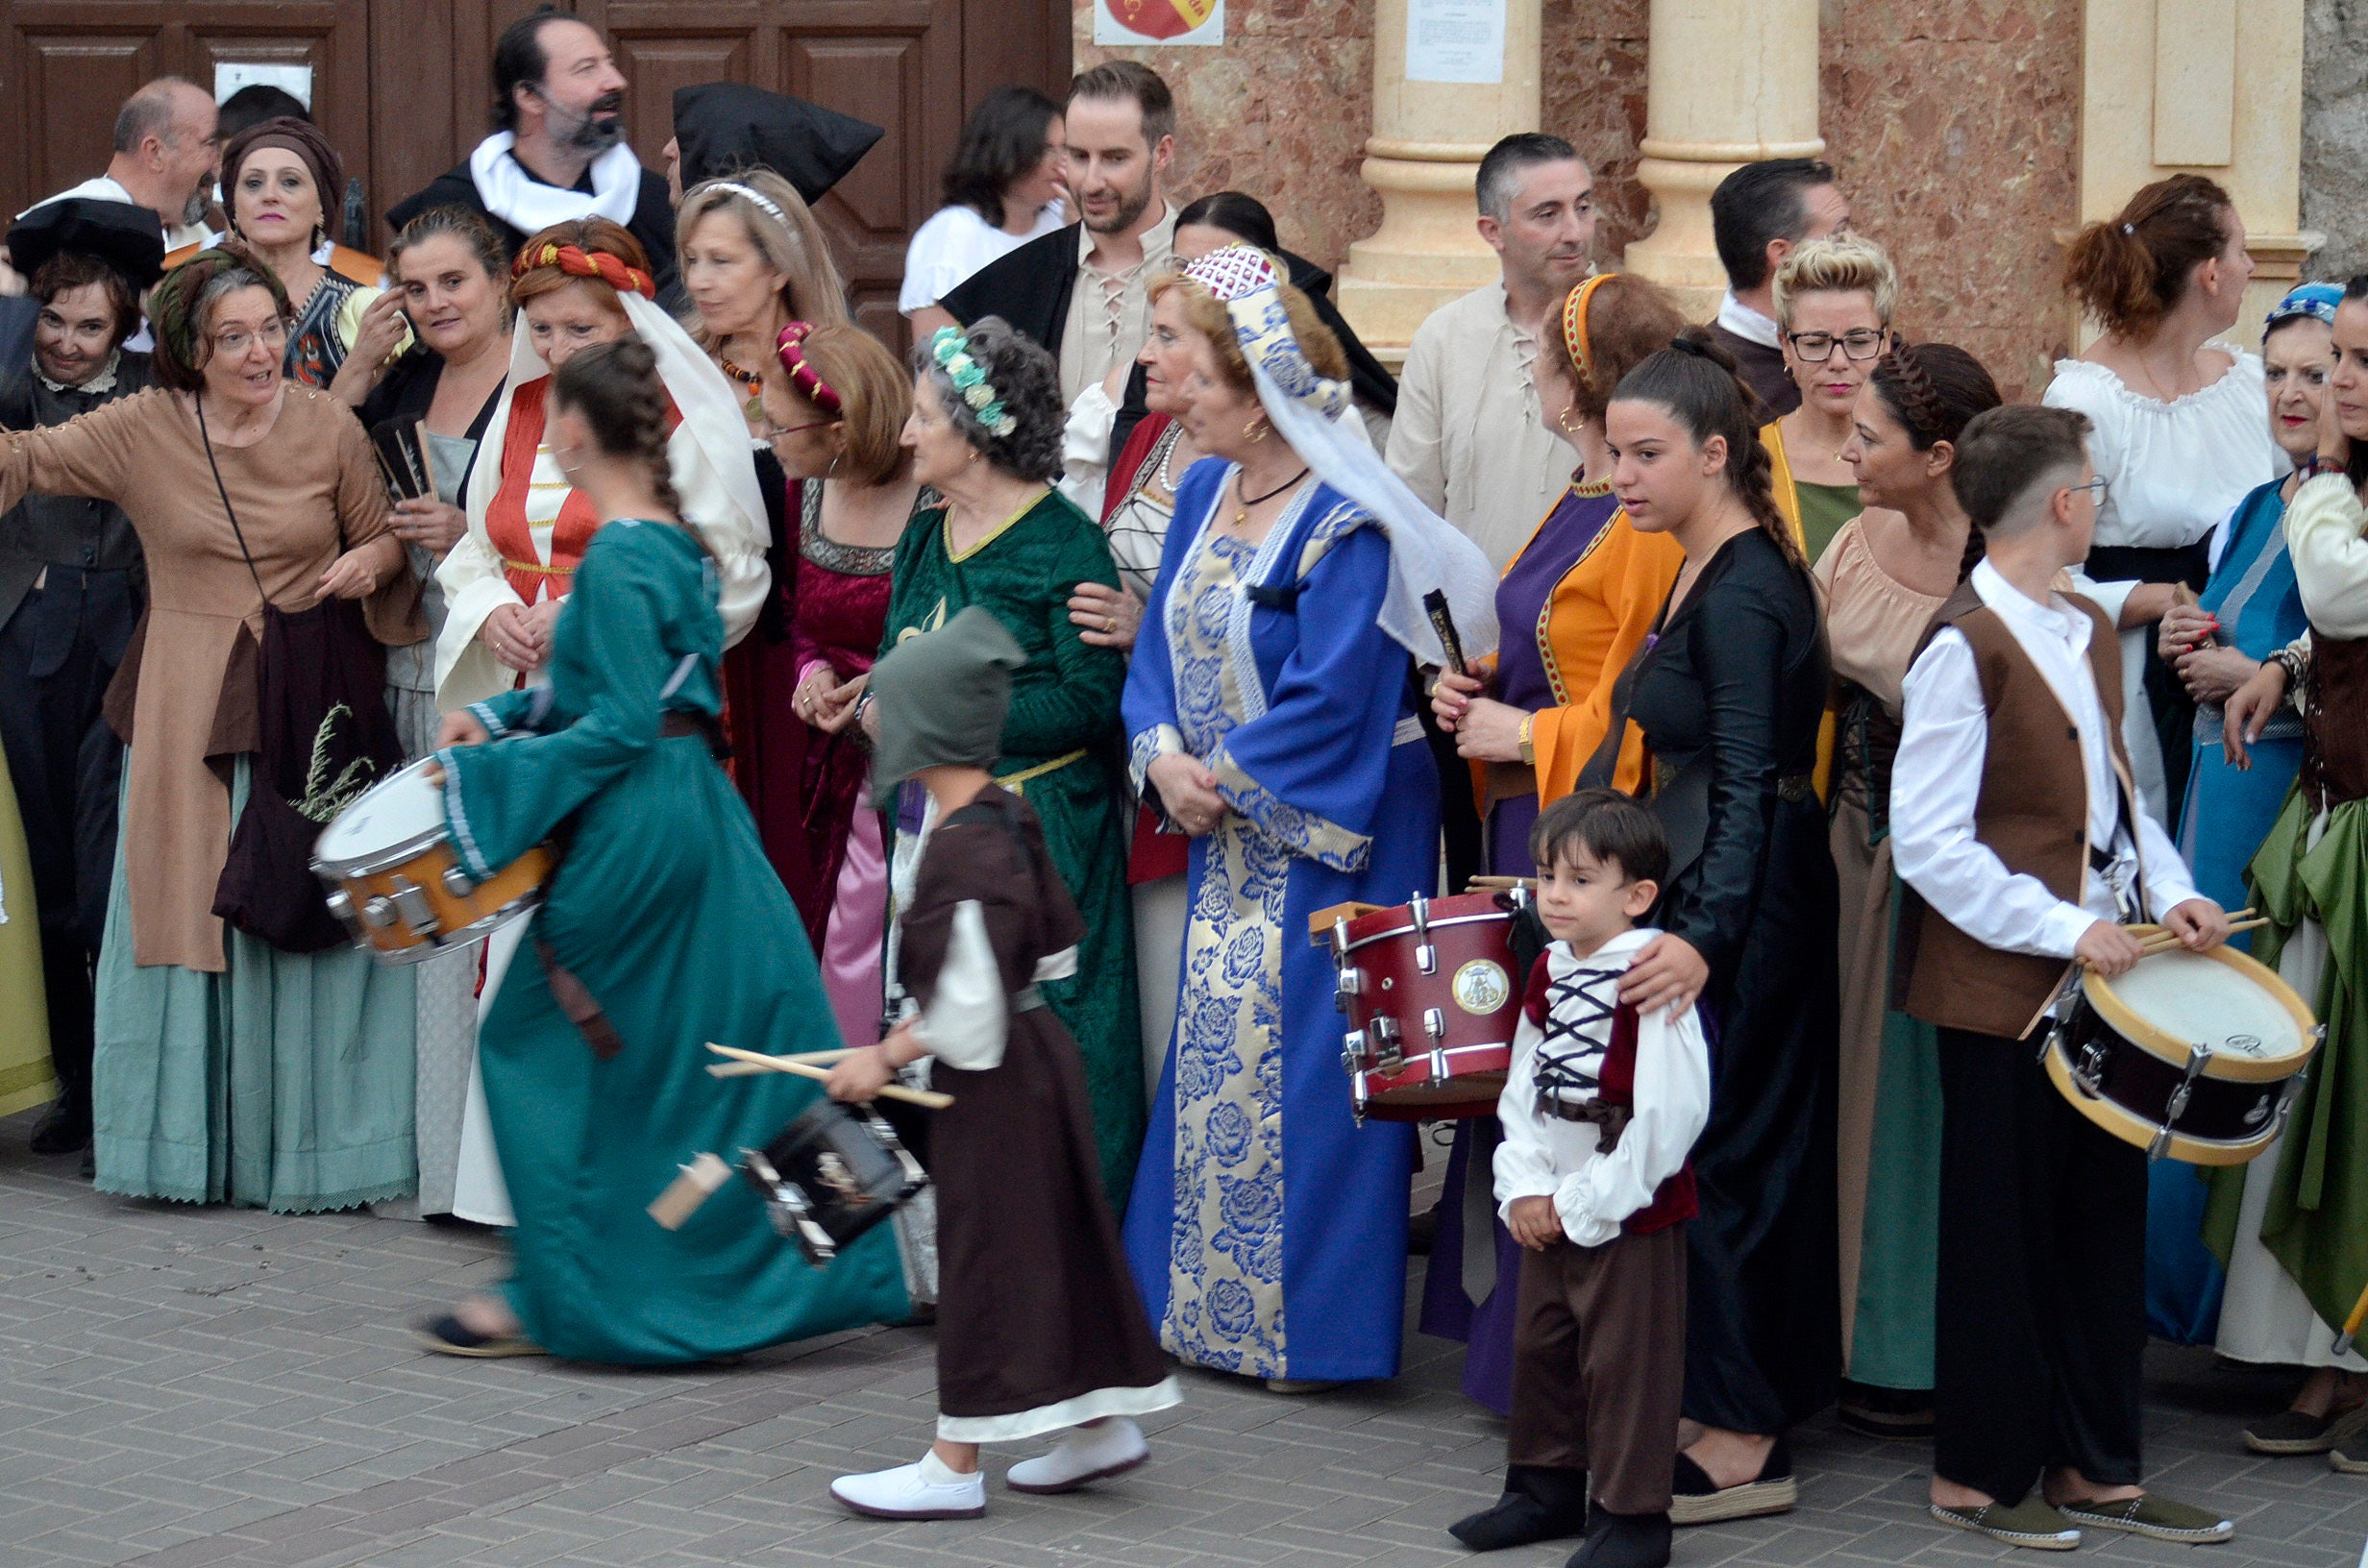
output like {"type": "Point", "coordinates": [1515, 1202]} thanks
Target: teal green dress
{"type": "Point", "coordinates": [665, 907]}
{"type": "Point", "coordinates": [1063, 754]}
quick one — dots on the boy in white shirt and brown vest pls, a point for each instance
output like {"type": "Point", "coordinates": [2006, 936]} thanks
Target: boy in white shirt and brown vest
{"type": "Point", "coordinates": [2014, 821]}
{"type": "Point", "coordinates": [1600, 1110]}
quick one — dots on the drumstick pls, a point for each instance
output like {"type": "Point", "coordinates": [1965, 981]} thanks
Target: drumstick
{"type": "Point", "coordinates": [746, 1070]}
{"type": "Point", "coordinates": [2351, 1324]}
{"type": "Point", "coordinates": [2147, 928]}
{"type": "Point", "coordinates": [2165, 941]}
{"type": "Point", "coordinates": [1476, 884]}
{"type": "Point", "coordinates": [803, 1069]}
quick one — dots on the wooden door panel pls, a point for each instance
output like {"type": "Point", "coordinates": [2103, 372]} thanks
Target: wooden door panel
{"type": "Point", "coordinates": [656, 67]}
{"type": "Point", "coordinates": [68, 86]}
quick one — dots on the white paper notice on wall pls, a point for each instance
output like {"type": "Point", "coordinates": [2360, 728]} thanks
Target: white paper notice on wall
{"type": "Point", "coordinates": [296, 81]}
{"type": "Point", "coordinates": [1455, 40]}
{"type": "Point", "coordinates": [1159, 21]}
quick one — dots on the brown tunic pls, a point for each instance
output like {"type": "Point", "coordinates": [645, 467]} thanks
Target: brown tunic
{"type": "Point", "coordinates": [310, 473]}
{"type": "Point", "coordinates": [1035, 1305]}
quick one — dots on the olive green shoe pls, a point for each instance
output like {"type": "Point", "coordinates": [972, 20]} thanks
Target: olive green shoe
{"type": "Point", "coordinates": [2155, 1517]}
{"type": "Point", "coordinates": [2028, 1523]}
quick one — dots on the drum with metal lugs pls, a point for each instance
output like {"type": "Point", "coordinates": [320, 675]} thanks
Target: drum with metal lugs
{"type": "Point", "coordinates": [832, 1174]}
{"type": "Point", "coordinates": [1432, 1000]}
{"type": "Point", "coordinates": [2193, 1055]}
{"type": "Point", "coordinates": [398, 886]}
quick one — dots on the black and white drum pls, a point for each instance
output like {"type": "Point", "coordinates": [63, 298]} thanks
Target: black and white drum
{"type": "Point", "coordinates": [2193, 1055]}
{"type": "Point", "coordinates": [834, 1172]}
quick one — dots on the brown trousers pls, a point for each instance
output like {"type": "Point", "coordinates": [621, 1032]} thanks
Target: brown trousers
{"type": "Point", "coordinates": [1599, 1365]}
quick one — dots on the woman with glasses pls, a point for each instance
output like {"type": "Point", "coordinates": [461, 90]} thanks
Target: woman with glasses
{"type": "Point", "coordinates": [2178, 434]}
{"type": "Point", "coordinates": [228, 1070]}
{"type": "Point", "coordinates": [1834, 299]}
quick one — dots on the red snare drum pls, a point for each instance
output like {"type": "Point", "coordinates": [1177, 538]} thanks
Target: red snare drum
{"type": "Point", "coordinates": [1432, 1000]}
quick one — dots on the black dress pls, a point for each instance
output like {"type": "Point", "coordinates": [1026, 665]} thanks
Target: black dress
{"type": "Point", "coordinates": [1729, 697]}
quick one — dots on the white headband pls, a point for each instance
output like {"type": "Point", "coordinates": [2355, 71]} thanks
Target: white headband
{"type": "Point", "coordinates": [758, 196]}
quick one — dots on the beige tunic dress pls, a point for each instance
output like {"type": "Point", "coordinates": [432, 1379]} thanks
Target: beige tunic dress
{"type": "Point", "coordinates": [311, 476]}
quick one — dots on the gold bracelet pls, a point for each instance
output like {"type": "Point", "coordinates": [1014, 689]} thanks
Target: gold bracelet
{"type": "Point", "coordinates": [1529, 750]}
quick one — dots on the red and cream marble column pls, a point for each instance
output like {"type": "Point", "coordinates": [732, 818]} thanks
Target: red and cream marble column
{"type": "Point", "coordinates": [1728, 83]}
{"type": "Point", "coordinates": [1427, 140]}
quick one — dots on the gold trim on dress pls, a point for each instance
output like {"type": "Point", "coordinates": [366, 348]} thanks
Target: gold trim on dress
{"type": "Point", "coordinates": [946, 522]}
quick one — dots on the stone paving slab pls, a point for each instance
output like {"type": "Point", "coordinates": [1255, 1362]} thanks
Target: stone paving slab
{"type": "Point", "coordinates": [212, 1388]}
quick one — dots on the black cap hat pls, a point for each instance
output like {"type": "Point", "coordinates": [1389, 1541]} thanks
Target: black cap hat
{"type": "Point", "coordinates": [129, 238]}
{"type": "Point", "coordinates": [724, 128]}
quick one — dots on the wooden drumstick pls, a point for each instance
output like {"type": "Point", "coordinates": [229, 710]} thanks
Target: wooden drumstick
{"type": "Point", "coordinates": [749, 1069]}
{"type": "Point", "coordinates": [805, 1069]}
{"type": "Point", "coordinates": [2351, 1324]}
{"type": "Point", "coordinates": [1483, 884]}
{"type": "Point", "coordinates": [2162, 941]}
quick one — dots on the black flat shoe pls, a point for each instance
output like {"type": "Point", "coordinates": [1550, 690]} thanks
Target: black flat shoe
{"type": "Point", "coordinates": [65, 1129]}
{"type": "Point", "coordinates": [1539, 1505]}
{"type": "Point", "coordinates": [1702, 1501]}
{"type": "Point", "coordinates": [448, 1336]}
{"type": "Point", "coordinates": [1624, 1540]}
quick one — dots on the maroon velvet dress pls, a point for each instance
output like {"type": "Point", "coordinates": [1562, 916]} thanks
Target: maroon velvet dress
{"type": "Point", "coordinates": [806, 788]}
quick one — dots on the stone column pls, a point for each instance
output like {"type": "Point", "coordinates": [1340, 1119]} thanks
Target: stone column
{"type": "Point", "coordinates": [1729, 83]}
{"type": "Point", "coordinates": [1424, 153]}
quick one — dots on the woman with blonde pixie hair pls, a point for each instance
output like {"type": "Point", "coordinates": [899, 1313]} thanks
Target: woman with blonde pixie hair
{"type": "Point", "coordinates": [753, 261]}
{"type": "Point", "coordinates": [1833, 303]}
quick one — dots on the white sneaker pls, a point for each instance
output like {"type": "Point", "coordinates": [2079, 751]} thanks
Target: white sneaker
{"type": "Point", "coordinates": [1084, 1454]}
{"type": "Point", "coordinates": [906, 1492]}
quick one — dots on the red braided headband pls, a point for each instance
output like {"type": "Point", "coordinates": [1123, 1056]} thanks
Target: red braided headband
{"type": "Point", "coordinates": [802, 375]}
{"type": "Point", "coordinates": [578, 264]}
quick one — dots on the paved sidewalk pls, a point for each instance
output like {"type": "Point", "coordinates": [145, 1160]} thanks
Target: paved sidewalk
{"type": "Point", "coordinates": [187, 1387]}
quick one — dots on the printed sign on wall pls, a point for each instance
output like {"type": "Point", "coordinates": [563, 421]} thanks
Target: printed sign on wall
{"type": "Point", "coordinates": [1159, 21]}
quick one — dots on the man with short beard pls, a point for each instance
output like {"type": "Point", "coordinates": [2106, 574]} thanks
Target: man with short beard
{"type": "Point", "coordinates": [165, 158]}
{"type": "Point", "coordinates": [71, 589]}
{"type": "Point", "coordinates": [1079, 291]}
{"type": "Point", "coordinates": [557, 152]}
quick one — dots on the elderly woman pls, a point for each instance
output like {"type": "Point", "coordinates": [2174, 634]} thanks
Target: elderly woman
{"type": "Point", "coordinates": [986, 435]}
{"type": "Point", "coordinates": [1833, 303]}
{"type": "Point", "coordinates": [1002, 187]}
{"type": "Point", "coordinates": [838, 415]}
{"type": "Point", "coordinates": [1884, 578]}
{"type": "Point", "coordinates": [71, 590]}
{"type": "Point", "coordinates": [575, 284]}
{"type": "Point", "coordinates": [281, 182]}
{"type": "Point", "coordinates": [753, 261]}
{"type": "Point", "coordinates": [1581, 594]}
{"type": "Point", "coordinates": [226, 1069]}
{"type": "Point", "coordinates": [1273, 722]}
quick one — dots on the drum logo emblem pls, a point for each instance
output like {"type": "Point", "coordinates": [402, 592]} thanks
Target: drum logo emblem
{"type": "Point", "coordinates": [1481, 986]}
{"type": "Point", "coordinates": [833, 1173]}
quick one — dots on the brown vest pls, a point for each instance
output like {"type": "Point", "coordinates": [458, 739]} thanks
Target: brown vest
{"type": "Point", "coordinates": [2335, 739]}
{"type": "Point", "coordinates": [2033, 812]}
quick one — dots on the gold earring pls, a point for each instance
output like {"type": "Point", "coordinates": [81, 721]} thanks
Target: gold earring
{"type": "Point", "coordinates": [1255, 432]}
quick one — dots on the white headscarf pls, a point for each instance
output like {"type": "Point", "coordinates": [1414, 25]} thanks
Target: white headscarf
{"type": "Point", "coordinates": [1425, 552]}
{"type": "Point", "coordinates": [713, 471]}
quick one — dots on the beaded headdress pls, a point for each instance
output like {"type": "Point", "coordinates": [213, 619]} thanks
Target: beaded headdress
{"type": "Point", "coordinates": [952, 351]}
{"type": "Point", "coordinates": [767, 204]}
{"type": "Point", "coordinates": [1246, 283]}
{"type": "Point", "coordinates": [1574, 325]}
{"type": "Point", "coordinates": [2317, 301]}
{"type": "Point", "coordinates": [791, 346]}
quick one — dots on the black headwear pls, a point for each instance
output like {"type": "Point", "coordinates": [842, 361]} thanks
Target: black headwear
{"type": "Point", "coordinates": [723, 127]}
{"type": "Point", "coordinates": [129, 238]}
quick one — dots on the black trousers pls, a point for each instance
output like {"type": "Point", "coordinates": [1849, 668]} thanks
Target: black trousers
{"type": "Point", "coordinates": [58, 652]}
{"type": "Point", "coordinates": [2041, 1322]}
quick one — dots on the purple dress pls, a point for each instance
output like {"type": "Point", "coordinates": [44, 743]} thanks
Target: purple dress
{"type": "Point", "coordinates": [1522, 681]}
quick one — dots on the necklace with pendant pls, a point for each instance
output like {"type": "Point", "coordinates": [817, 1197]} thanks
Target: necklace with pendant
{"type": "Point", "coordinates": [754, 407]}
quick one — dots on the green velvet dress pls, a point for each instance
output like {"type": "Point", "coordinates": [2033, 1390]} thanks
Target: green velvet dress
{"type": "Point", "coordinates": [666, 910]}
{"type": "Point", "coordinates": [1064, 756]}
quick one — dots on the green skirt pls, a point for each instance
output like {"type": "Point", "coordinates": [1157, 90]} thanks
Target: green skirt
{"type": "Point", "coordinates": [282, 1083]}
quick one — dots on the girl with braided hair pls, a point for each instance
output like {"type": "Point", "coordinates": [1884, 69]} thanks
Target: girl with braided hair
{"type": "Point", "coordinates": [1729, 690]}
{"type": "Point", "coordinates": [667, 917]}
{"type": "Point", "coordinates": [577, 285]}
{"type": "Point", "coordinates": [1883, 578]}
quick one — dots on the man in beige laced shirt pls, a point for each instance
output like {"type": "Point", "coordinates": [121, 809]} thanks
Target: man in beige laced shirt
{"type": "Point", "coordinates": [1475, 435]}
{"type": "Point", "coordinates": [1079, 291]}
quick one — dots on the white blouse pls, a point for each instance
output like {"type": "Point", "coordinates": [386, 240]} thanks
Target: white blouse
{"type": "Point", "coordinates": [2173, 470]}
{"type": "Point", "coordinates": [955, 243]}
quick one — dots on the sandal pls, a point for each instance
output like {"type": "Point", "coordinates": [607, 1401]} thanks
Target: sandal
{"type": "Point", "coordinates": [448, 1336]}
{"type": "Point", "coordinates": [1698, 1500]}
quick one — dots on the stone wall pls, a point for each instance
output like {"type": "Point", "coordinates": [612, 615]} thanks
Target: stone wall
{"type": "Point", "coordinates": [1953, 123]}
{"type": "Point", "coordinates": [2335, 134]}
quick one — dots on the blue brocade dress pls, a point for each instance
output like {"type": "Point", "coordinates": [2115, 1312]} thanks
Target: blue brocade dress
{"type": "Point", "coordinates": [1267, 1229]}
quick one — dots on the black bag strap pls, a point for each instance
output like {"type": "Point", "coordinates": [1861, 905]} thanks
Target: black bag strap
{"type": "Point", "coordinates": [206, 437]}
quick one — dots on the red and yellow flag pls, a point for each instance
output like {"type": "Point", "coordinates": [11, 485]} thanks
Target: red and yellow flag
{"type": "Point", "coordinates": [1161, 19]}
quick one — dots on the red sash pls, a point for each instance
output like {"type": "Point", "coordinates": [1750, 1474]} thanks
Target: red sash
{"type": "Point", "coordinates": [506, 520]}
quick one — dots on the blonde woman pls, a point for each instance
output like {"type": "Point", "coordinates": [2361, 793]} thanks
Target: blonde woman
{"type": "Point", "coordinates": [1833, 303]}
{"type": "Point", "coordinates": [753, 261]}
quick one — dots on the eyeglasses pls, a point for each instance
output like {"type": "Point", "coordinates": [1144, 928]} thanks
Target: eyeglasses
{"type": "Point", "coordinates": [2095, 489]}
{"type": "Point", "coordinates": [1816, 348]}
{"type": "Point", "coordinates": [770, 431]}
{"type": "Point", "coordinates": [236, 342]}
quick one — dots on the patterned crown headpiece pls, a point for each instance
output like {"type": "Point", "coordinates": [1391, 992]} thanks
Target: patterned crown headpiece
{"type": "Point", "coordinates": [1245, 280]}
{"type": "Point", "coordinates": [952, 351]}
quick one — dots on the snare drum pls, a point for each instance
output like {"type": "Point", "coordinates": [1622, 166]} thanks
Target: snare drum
{"type": "Point", "coordinates": [1432, 1001]}
{"type": "Point", "coordinates": [396, 883]}
{"type": "Point", "coordinates": [833, 1173]}
{"type": "Point", "coordinates": [2193, 1055]}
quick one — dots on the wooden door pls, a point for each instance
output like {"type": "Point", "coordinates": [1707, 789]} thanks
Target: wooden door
{"type": "Point", "coordinates": [66, 69]}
